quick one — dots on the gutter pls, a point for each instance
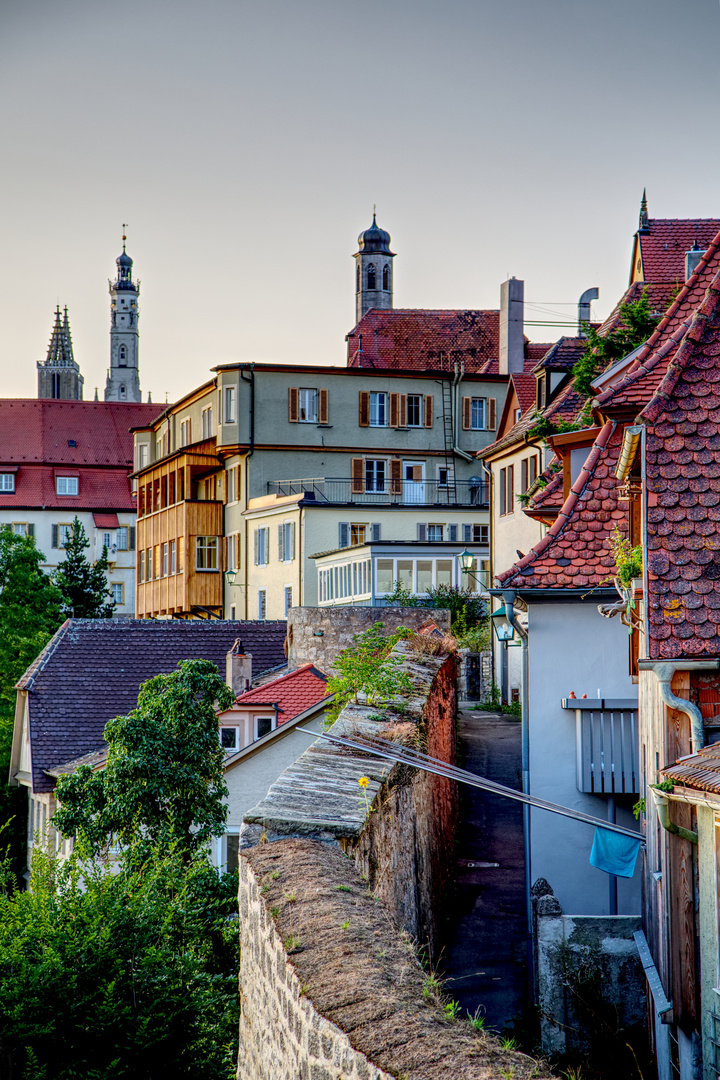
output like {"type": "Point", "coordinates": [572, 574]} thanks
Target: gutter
{"type": "Point", "coordinates": [664, 671]}
{"type": "Point", "coordinates": [662, 805]}
{"type": "Point", "coordinates": [631, 441]}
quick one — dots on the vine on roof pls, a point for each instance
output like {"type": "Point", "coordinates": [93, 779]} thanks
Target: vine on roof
{"type": "Point", "coordinates": [637, 322]}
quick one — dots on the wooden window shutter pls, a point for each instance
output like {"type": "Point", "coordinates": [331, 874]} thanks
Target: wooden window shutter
{"type": "Point", "coordinates": [452, 533]}
{"type": "Point", "coordinates": [54, 536]}
{"type": "Point", "coordinates": [31, 529]}
{"type": "Point", "coordinates": [492, 421]}
{"type": "Point", "coordinates": [375, 531]}
{"type": "Point", "coordinates": [421, 530]}
{"type": "Point", "coordinates": [323, 407]}
{"type": "Point", "coordinates": [466, 413]}
{"type": "Point", "coordinates": [428, 410]}
{"type": "Point", "coordinates": [343, 534]}
{"type": "Point", "coordinates": [357, 471]}
{"type": "Point", "coordinates": [224, 553]}
{"type": "Point", "coordinates": [395, 476]}
{"type": "Point", "coordinates": [132, 538]}
{"type": "Point", "coordinates": [364, 408]}
{"type": "Point", "coordinates": [402, 410]}
{"type": "Point", "coordinates": [417, 473]}
{"type": "Point", "coordinates": [467, 534]}
{"type": "Point", "coordinates": [394, 410]}
{"type": "Point", "coordinates": [256, 541]}
{"type": "Point", "coordinates": [293, 408]}
{"type": "Point", "coordinates": [281, 545]}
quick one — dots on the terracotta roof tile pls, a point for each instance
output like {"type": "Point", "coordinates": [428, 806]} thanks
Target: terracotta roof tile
{"type": "Point", "coordinates": [666, 241]}
{"type": "Point", "coordinates": [91, 671]}
{"type": "Point", "coordinates": [292, 693]}
{"type": "Point", "coordinates": [701, 770]}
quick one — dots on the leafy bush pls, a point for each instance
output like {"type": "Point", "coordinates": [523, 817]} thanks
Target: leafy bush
{"type": "Point", "coordinates": [367, 667]}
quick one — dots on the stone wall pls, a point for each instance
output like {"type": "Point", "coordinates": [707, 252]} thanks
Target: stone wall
{"type": "Point", "coordinates": [404, 845]}
{"type": "Point", "coordinates": [317, 634]}
{"type": "Point", "coordinates": [332, 990]}
{"type": "Point", "coordinates": [590, 984]}
{"type": "Point", "coordinates": [466, 690]}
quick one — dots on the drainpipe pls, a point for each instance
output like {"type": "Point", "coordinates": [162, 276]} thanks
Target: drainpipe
{"type": "Point", "coordinates": [663, 812]}
{"type": "Point", "coordinates": [509, 596]}
{"type": "Point", "coordinates": [249, 454]}
{"type": "Point", "coordinates": [459, 372]}
{"type": "Point", "coordinates": [664, 671]}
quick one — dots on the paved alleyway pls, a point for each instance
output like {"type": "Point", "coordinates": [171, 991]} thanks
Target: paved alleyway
{"type": "Point", "coordinates": [485, 958]}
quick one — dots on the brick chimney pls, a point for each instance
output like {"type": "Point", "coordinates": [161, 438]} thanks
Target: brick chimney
{"type": "Point", "coordinates": [512, 340]}
{"type": "Point", "coordinates": [238, 668]}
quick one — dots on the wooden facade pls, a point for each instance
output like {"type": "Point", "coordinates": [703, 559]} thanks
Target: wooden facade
{"type": "Point", "coordinates": [181, 558]}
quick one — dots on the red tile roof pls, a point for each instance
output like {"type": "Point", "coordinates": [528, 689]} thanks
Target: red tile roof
{"type": "Point", "coordinates": [683, 492]}
{"type": "Point", "coordinates": [564, 354]}
{"type": "Point", "coordinates": [700, 771]}
{"type": "Point", "coordinates": [549, 499]}
{"type": "Point", "coordinates": [88, 439]}
{"type": "Point", "coordinates": [525, 388]}
{"type": "Point", "coordinates": [575, 552]}
{"type": "Point", "coordinates": [293, 693]}
{"type": "Point", "coordinates": [664, 244]}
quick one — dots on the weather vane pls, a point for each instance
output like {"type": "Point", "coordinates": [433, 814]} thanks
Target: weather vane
{"type": "Point", "coordinates": [124, 237]}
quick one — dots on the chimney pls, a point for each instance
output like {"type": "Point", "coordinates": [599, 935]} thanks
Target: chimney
{"type": "Point", "coordinates": [584, 309]}
{"type": "Point", "coordinates": [512, 340]}
{"type": "Point", "coordinates": [238, 669]}
{"type": "Point", "coordinates": [692, 258]}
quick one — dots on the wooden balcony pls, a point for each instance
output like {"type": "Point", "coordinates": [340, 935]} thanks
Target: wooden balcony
{"type": "Point", "coordinates": [188, 591]}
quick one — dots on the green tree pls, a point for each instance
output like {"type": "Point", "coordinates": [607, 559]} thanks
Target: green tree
{"type": "Point", "coordinates": [30, 613]}
{"type": "Point", "coordinates": [84, 585]}
{"type": "Point", "coordinates": [367, 667]}
{"type": "Point", "coordinates": [163, 781]}
{"type": "Point", "coordinates": [112, 976]}
{"type": "Point", "coordinates": [636, 323]}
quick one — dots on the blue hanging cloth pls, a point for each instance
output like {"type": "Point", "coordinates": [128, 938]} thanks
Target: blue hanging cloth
{"type": "Point", "coordinates": [614, 853]}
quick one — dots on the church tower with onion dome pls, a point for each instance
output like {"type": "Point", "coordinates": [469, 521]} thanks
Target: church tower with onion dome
{"type": "Point", "coordinates": [373, 271]}
{"type": "Point", "coordinates": [123, 377]}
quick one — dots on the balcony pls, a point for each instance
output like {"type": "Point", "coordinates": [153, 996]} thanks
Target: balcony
{"type": "Point", "coordinates": [342, 491]}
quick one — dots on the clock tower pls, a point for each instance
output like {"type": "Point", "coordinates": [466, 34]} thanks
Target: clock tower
{"type": "Point", "coordinates": [123, 377]}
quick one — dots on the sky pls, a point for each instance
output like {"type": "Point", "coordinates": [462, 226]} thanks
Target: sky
{"type": "Point", "coordinates": [245, 145]}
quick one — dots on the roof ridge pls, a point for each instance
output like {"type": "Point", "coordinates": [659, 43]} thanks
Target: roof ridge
{"type": "Point", "coordinates": [27, 679]}
{"type": "Point", "coordinates": [576, 491]}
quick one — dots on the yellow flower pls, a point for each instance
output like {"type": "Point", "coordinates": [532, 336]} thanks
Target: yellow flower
{"type": "Point", "coordinates": [363, 781]}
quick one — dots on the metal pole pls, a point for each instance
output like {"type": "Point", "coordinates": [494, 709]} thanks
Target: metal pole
{"type": "Point", "coordinates": [612, 880]}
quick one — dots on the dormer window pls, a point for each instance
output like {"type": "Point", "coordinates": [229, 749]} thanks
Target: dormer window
{"type": "Point", "coordinates": [371, 276]}
{"type": "Point", "coordinates": [66, 485]}
{"type": "Point", "coordinates": [7, 482]}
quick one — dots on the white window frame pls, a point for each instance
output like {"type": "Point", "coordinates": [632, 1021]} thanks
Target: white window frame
{"type": "Point", "coordinates": [207, 550]}
{"type": "Point", "coordinates": [172, 559]}
{"type": "Point", "coordinates": [433, 526]}
{"type": "Point", "coordinates": [230, 402]}
{"type": "Point", "coordinates": [122, 538]}
{"type": "Point", "coordinates": [142, 456]}
{"type": "Point", "coordinates": [20, 528]}
{"type": "Point", "coordinates": [207, 422]}
{"type": "Point", "coordinates": [262, 545]}
{"type": "Point", "coordinates": [287, 545]}
{"type": "Point", "coordinates": [7, 483]}
{"type": "Point", "coordinates": [185, 431]}
{"type": "Point", "coordinates": [307, 405]}
{"type": "Point", "coordinates": [373, 466]}
{"type": "Point", "coordinates": [256, 726]}
{"type": "Point", "coordinates": [478, 414]}
{"type": "Point", "coordinates": [262, 603]}
{"type": "Point", "coordinates": [420, 401]}
{"type": "Point", "coordinates": [378, 411]}
{"type": "Point", "coordinates": [229, 727]}
{"type": "Point", "coordinates": [118, 585]}
{"type": "Point", "coordinates": [64, 533]}
{"type": "Point", "coordinates": [287, 599]}
{"type": "Point", "coordinates": [67, 485]}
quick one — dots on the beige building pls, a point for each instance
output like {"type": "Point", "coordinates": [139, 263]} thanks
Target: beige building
{"type": "Point", "coordinates": [241, 482]}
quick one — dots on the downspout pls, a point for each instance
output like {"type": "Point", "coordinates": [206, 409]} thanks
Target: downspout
{"type": "Point", "coordinates": [509, 596]}
{"type": "Point", "coordinates": [663, 812]}
{"type": "Point", "coordinates": [249, 454]}
{"type": "Point", "coordinates": [664, 671]}
{"type": "Point", "coordinates": [459, 372]}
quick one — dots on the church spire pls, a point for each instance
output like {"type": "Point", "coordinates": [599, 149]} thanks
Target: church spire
{"type": "Point", "coordinates": [59, 375]}
{"type": "Point", "coordinates": [643, 225]}
{"type": "Point", "coordinates": [123, 377]}
{"type": "Point", "coordinates": [374, 270]}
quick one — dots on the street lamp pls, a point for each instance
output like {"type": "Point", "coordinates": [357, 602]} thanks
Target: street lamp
{"type": "Point", "coordinates": [504, 629]}
{"type": "Point", "coordinates": [466, 560]}
{"type": "Point", "coordinates": [231, 575]}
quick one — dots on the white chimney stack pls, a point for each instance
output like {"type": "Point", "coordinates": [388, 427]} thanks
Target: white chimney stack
{"type": "Point", "coordinates": [238, 669]}
{"type": "Point", "coordinates": [512, 338]}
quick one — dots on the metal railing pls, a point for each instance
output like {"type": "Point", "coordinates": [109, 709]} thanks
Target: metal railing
{"type": "Point", "coordinates": [607, 745]}
{"type": "Point", "coordinates": [383, 493]}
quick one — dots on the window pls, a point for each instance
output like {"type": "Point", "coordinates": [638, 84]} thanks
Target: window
{"type": "Point", "coordinates": [123, 392]}
{"type": "Point", "coordinates": [475, 534]}
{"type": "Point", "coordinates": [528, 472]}
{"type": "Point", "coordinates": [66, 485]}
{"type": "Point", "coordinates": [156, 561]}
{"type": "Point", "coordinates": [414, 410]}
{"type": "Point", "coordinates": [507, 490]}
{"type": "Point", "coordinates": [107, 540]}
{"type": "Point", "coordinates": [443, 476]}
{"type": "Point", "coordinates": [478, 415]}
{"type": "Point", "coordinates": [21, 528]}
{"type": "Point", "coordinates": [262, 546]}
{"type": "Point", "coordinates": [371, 276]}
{"type": "Point", "coordinates": [434, 532]}
{"type": "Point", "coordinates": [185, 432]}
{"type": "Point", "coordinates": [286, 541]}
{"type": "Point", "coordinates": [374, 474]}
{"type": "Point", "coordinates": [378, 409]}
{"type": "Point", "coordinates": [148, 564]}
{"type": "Point", "coordinates": [116, 587]}
{"type": "Point", "coordinates": [288, 599]}
{"type": "Point", "coordinates": [386, 277]}
{"type": "Point", "coordinates": [231, 479]}
{"type": "Point", "coordinates": [121, 538]}
{"type": "Point", "coordinates": [64, 534]}
{"type": "Point", "coordinates": [357, 533]}
{"type": "Point", "coordinates": [164, 560]}
{"type": "Point", "coordinates": [172, 557]}
{"type": "Point", "coordinates": [262, 604]}
{"type": "Point", "coordinates": [7, 482]}
{"type": "Point", "coordinates": [307, 406]}
{"type": "Point", "coordinates": [230, 399]}
{"type": "Point", "coordinates": [122, 356]}
{"type": "Point", "coordinates": [207, 422]}
{"type": "Point", "coordinates": [230, 738]}
{"type": "Point", "coordinates": [263, 726]}
{"type": "Point", "coordinates": [206, 553]}
{"type": "Point", "coordinates": [141, 566]}
{"type": "Point", "coordinates": [180, 554]}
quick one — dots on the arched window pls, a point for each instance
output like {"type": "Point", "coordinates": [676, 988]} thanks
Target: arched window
{"type": "Point", "coordinates": [123, 356]}
{"type": "Point", "coordinates": [386, 277]}
{"type": "Point", "coordinates": [371, 283]}
{"type": "Point", "coordinates": [122, 392]}
{"type": "Point", "coordinates": [357, 277]}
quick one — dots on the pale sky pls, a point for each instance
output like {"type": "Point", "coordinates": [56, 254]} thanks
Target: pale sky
{"type": "Point", "coordinates": [245, 145]}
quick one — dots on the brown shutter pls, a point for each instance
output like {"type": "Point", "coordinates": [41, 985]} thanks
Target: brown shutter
{"type": "Point", "coordinates": [402, 410]}
{"type": "Point", "coordinates": [428, 410]}
{"type": "Point", "coordinates": [364, 418]}
{"type": "Point", "coordinates": [323, 410]}
{"type": "Point", "coordinates": [293, 409]}
{"type": "Point", "coordinates": [492, 421]}
{"type": "Point", "coordinates": [466, 413]}
{"type": "Point", "coordinates": [395, 476]}
{"type": "Point", "coordinates": [394, 410]}
{"type": "Point", "coordinates": [357, 471]}
{"type": "Point", "coordinates": [224, 553]}
{"type": "Point", "coordinates": [417, 472]}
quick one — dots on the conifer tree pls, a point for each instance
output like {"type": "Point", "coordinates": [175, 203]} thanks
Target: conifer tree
{"type": "Point", "coordinates": [84, 585]}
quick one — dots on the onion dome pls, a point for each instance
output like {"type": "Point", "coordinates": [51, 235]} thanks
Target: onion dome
{"type": "Point", "coordinates": [374, 239]}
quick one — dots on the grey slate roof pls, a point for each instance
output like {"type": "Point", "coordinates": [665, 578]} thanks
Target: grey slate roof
{"type": "Point", "coordinates": [92, 669]}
